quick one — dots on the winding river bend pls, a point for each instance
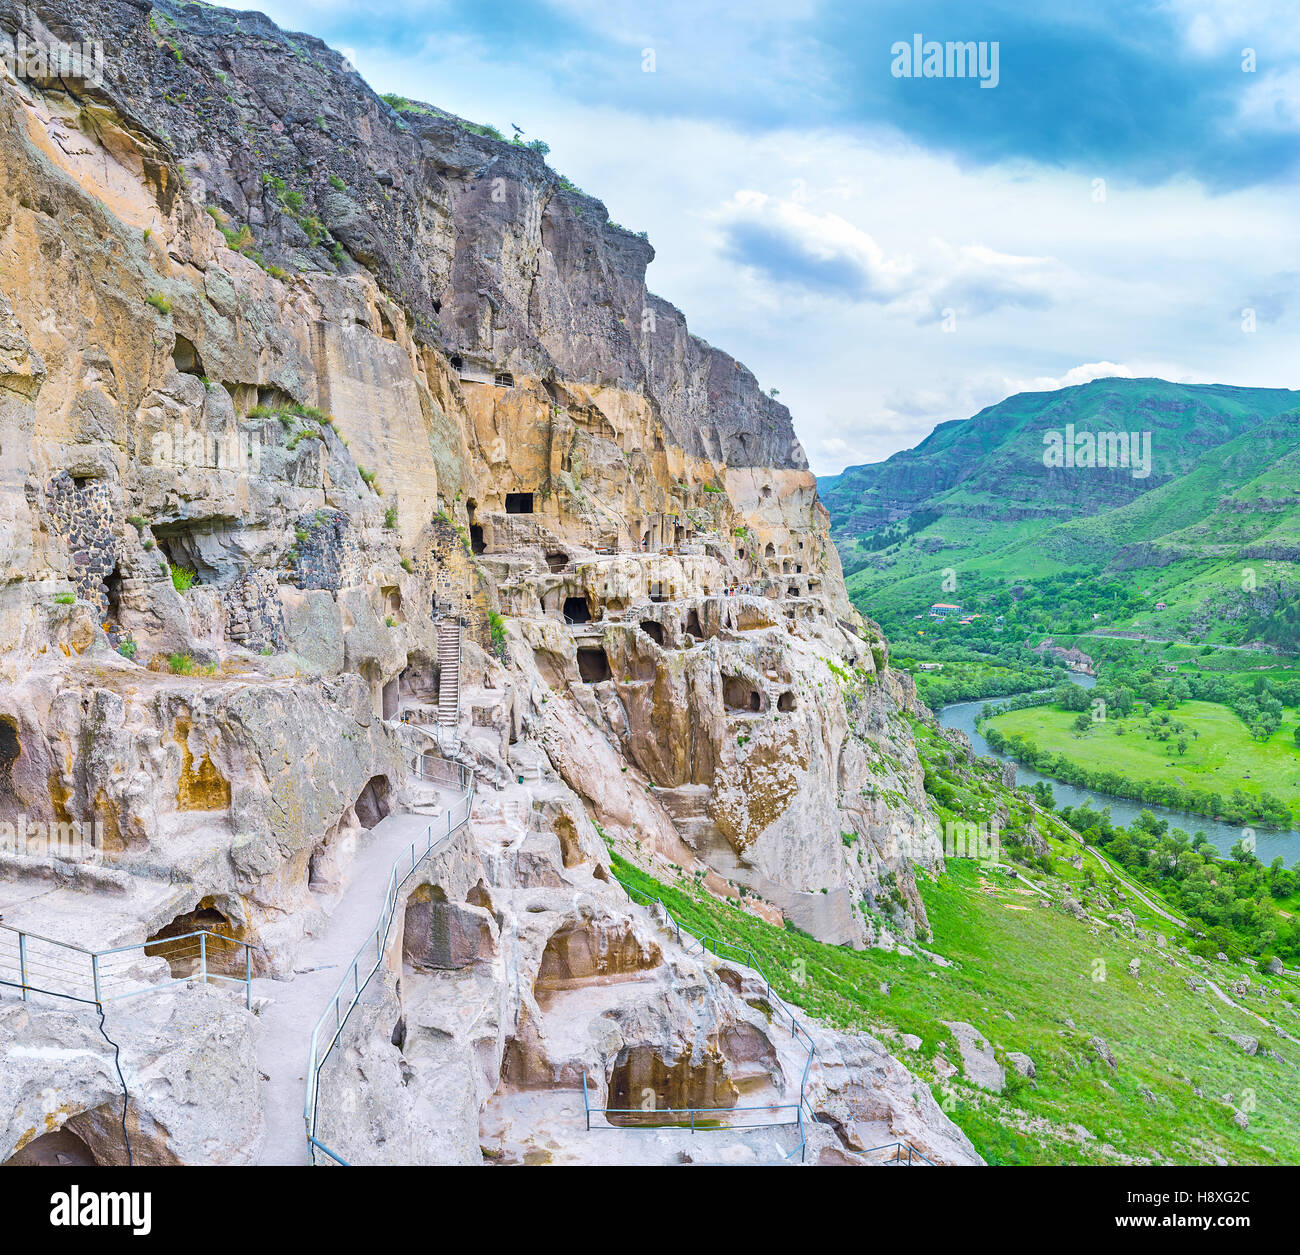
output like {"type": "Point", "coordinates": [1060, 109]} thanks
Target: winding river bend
{"type": "Point", "coordinates": [1269, 845]}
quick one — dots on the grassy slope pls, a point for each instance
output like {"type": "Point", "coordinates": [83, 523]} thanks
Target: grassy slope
{"type": "Point", "coordinates": [1010, 955]}
{"type": "Point", "coordinates": [1222, 757]}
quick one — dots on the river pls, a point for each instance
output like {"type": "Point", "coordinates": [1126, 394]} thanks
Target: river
{"type": "Point", "coordinates": [1268, 844]}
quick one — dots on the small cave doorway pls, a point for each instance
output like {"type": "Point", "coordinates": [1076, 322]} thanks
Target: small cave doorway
{"type": "Point", "coordinates": [183, 952]}
{"type": "Point", "coordinates": [556, 561]}
{"type": "Point", "coordinates": [10, 748]}
{"type": "Point", "coordinates": [593, 665]}
{"type": "Point", "coordinates": [693, 627]}
{"type": "Point", "coordinates": [519, 503]}
{"type": "Point", "coordinates": [372, 807]}
{"type": "Point", "coordinates": [576, 610]}
{"type": "Point", "coordinates": [655, 631]}
{"type": "Point", "coordinates": [186, 359]}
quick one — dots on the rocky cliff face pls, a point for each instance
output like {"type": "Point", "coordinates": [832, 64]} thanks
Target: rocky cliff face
{"type": "Point", "coordinates": [289, 383]}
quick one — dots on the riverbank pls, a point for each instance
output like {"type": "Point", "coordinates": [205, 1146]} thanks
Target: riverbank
{"type": "Point", "coordinates": [1269, 844]}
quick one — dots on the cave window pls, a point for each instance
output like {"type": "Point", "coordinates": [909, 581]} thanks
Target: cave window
{"type": "Point", "coordinates": [372, 805]}
{"type": "Point", "coordinates": [693, 627]}
{"type": "Point", "coordinates": [457, 362]}
{"type": "Point", "coordinates": [113, 597]}
{"type": "Point", "coordinates": [181, 951]}
{"type": "Point", "coordinates": [557, 561]}
{"type": "Point", "coordinates": [593, 666]}
{"type": "Point", "coordinates": [519, 503]}
{"type": "Point", "coordinates": [785, 702]}
{"type": "Point", "coordinates": [792, 591]}
{"type": "Point", "coordinates": [504, 379]}
{"type": "Point", "coordinates": [476, 542]}
{"type": "Point", "coordinates": [390, 699]}
{"type": "Point", "coordinates": [185, 357]}
{"type": "Point", "coordinates": [655, 631]}
{"type": "Point", "coordinates": [740, 553]}
{"type": "Point", "coordinates": [180, 546]}
{"type": "Point", "coordinates": [738, 694]}
{"type": "Point", "coordinates": [576, 610]}
{"type": "Point", "coordinates": [10, 748]}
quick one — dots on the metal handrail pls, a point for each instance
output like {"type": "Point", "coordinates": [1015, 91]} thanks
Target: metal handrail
{"type": "Point", "coordinates": [102, 980]}
{"type": "Point", "coordinates": [353, 984]}
{"type": "Point", "coordinates": [898, 1148]}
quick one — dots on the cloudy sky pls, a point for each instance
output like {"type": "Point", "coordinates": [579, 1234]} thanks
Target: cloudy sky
{"type": "Point", "coordinates": [893, 252]}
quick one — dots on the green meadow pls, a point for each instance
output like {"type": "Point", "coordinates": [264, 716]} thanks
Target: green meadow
{"type": "Point", "coordinates": [1220, 754]}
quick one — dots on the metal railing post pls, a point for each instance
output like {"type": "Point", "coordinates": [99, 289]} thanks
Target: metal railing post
{"type": "Point", "coordinates": [22, 963]}
{"type": "Point", "coordinates": [248, 977]}
{"type": "Point", "coordinates": [203, 957]}
{"type": "Point", "coordinates": [94, 975]}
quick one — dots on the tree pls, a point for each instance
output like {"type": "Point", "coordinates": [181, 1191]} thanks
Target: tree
{"type": "Point", "coordinates": [1182, 745]}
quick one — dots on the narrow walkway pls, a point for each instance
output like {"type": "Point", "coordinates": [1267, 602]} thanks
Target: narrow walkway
{"type": "Point", "coordinates": [283, 1030]}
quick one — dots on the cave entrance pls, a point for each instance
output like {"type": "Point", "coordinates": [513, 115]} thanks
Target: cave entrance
{"type": "Point", "coordinates": [641, 1077]}
{"type": "Point", "coordinates": [186, 358]}
{"type": "Point", "coordinates": [593, 665]}
{"type": "Point", "coordinates": [372, 806]}
{"type": "Point", "coordinates": [557, 561]}
{"type": "Point", "coordinates": [113, 598]}
{"type": "Point", "coordinates": [770, 551]}
{"type": "Point", "coordinates": [183, 545]}
{"type": "Point", "coordinates": [739, 694]}
{"type": "Point", "coordinates": [519, 503]}
{"type": "Point", "coordinates": [785, 702]}
{"type": "Point", "coordinates": [10, 748]}
{"type": "Point", "coordinates": [389, 698]}
{"type": "Point", "coordinates": [655, 631]}
{"type": "Point", "coordinates": [182, 951]}
{"type": "Point", "coordinates": [693, 627]}
{"type": "Point", "coordinates": [476, 542]}
{"type": "Point", "coordinates": [61, 1148]}
{"type": "Point", "coordinates": [576, 610]}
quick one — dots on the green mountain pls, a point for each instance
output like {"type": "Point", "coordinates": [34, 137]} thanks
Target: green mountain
{"type": "Point", "coordinates": [1205, 517]}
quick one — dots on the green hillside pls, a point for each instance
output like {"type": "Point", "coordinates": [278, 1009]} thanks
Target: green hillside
{"type": "Point", "coordinates": [972, 512]}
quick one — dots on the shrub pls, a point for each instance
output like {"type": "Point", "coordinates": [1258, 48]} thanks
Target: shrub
{"type": "Point", "coordinates": [390, 518]}
{"type": "Point", "coordinates": [390, 621]}
{"type": "Point", "coordinates": [65, 599]}
{"type": "Point", "coordinates": [183, 578]}
{"type": "Point", "coordinates": [181, 664]}
{"type": "Point", "coordinates": [159, 302]}
{"type": "Point", "coordinates": [497, 624]}
{"type": "Point", "coordinates": [128, 648]}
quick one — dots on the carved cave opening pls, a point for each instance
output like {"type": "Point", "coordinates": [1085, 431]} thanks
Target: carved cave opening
{"type": "Point", "coordinates": [576, 610]}
{"type": "Point", "coordinates": [649, 1090]}
{"type": "Point", "coordinates": [372, 806]}
{"type": "Point", "coordinates": [182, 952]}
{"type": "Point", "coordinates": [739, 694]}
{"type": "Point", "coordinates": [519, 503]}
{"type": "Point", "coordinates": [655, 631]}
{"type": "Point", "coordinates": [593, 665]}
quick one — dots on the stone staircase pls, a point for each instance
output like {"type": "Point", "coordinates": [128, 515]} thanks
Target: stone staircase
{"type": "Point", "coordinates": [448, 726]}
